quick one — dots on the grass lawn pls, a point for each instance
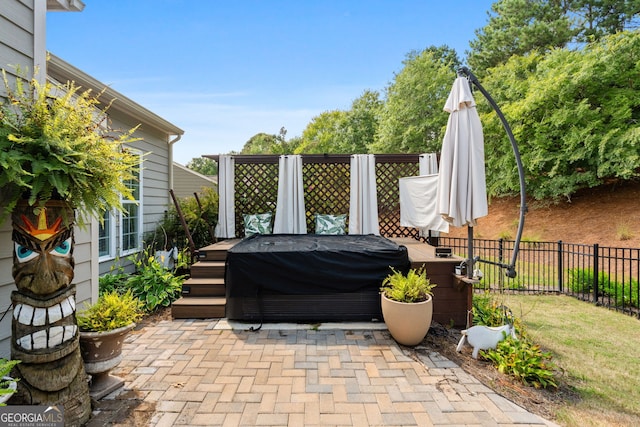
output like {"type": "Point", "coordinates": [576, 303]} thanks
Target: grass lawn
{"type": "Point", "coordinates": [598, 350]}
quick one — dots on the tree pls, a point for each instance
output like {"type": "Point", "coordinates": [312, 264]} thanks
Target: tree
{"type": "Point", "coordinates": [517, 27]}
{"type": "Point", "coordinates": [203, 165]}
{"type": "Point", "coordinates": [412, 119]}
{"type": "Point", "coordinates": [361, 124]}
{"type": "Point", "coordinates": [265, 143]}
{"type": "Point", "coordinates": [597, 18]}
{"type": "Point", "coordinates": [574, 114]}
{"type": "Point", "coordinates": [260, 143]}
{"type": "Point", "coordinates": [323, 134]}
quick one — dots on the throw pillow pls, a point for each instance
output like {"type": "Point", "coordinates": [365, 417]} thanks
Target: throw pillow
{"type": "Point", "coordinates": [257, 224]}
{"type": "Point", "coordinates": [331, 224]}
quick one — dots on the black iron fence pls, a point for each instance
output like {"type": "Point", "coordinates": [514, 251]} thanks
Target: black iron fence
{"type": "Point", "coordinates": [605, 276]}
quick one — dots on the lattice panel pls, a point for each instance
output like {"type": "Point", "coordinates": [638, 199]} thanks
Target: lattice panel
{"type": "Point", "coordinates": [326, 180]}
{"type": "Point", "coordinates": [387, 176]}
{"type": "Point", "coordinates": [327, 190]}
{"type": "Point", "coordinates": [256, 186]}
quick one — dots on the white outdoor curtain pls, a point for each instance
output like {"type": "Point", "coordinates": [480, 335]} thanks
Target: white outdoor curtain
{"type": "Point", "coordinates": [418, 198]}
{"type": "Point", "coordinates": [419, 204]}
{"type": "Point", "coordinates": [290, 213]}
{"type": "Point", "coordinates": [363, 207]}
{"type": "Point", "coordinates": [462, 193]}
{"type": "Point", "coordinates": [226, 227]}
{"type": "Point", "coordinates": [428, 163]}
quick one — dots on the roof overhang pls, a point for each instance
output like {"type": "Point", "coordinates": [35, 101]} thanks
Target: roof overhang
{"type": "Point", "coordinates": [65, 5]}
{"type": "Point", "coordinates": [62, 72]}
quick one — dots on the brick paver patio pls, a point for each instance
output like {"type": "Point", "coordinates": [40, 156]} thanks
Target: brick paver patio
{"type": "Point", "coordinates": [205, 373]}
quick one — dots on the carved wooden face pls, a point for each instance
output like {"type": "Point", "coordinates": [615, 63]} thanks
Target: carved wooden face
{"type": "Point", "coordinates": [44, 305]}
{"type": "Point", "coordinates": [43, 255]}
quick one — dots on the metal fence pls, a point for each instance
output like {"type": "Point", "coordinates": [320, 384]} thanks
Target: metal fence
{"type": "Point", "coordinates": [605, 276]}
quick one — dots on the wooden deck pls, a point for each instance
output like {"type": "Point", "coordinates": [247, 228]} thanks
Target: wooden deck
{"type": "Point", "coordinates": [203, 295]}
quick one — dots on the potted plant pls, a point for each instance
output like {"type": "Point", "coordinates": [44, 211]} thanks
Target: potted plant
{"type": "Point", "coordinates": [8, 384]}
{"type": "Point", "coordinates": [407, 305]}
{"type": "Point", "coordinates": [58, 158]}
{"type": "Point", "coordinates": [56, 144]}
{"type": "Point", "coordinates": [103, 328]}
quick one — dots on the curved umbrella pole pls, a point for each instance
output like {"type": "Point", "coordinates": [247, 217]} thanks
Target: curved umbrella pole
{"type": "Point", "coordinates": [511, 267]}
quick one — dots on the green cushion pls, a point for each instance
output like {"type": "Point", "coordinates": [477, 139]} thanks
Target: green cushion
{"type": "Point", "coordinates": [257, 224]}
{"type": "Point", "coordinates": [331, 224]}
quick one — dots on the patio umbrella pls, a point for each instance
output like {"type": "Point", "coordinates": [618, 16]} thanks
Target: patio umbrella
{"type": "Point", "coordinates": [462, 192]}
{"type": "Point", "coordinates": [463, 146]}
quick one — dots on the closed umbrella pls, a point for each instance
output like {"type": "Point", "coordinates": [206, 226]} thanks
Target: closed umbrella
{"type": "Point", "coordinates": [462, 189]}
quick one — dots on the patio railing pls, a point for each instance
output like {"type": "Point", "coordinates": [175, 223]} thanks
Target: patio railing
{"type": "Point", "coordinates": [605, 276]}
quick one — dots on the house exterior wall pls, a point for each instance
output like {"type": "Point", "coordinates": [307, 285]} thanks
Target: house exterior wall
{"type": "Point", "coordinates": [18, 28]}
{"type": "Point", "coordinates": [186, 181]}
{"type": "Point", "coordinates": [22, 43]}
{"type": "Point", "coordinates": [17, 40]}
{"type": "Point", "coordinates": [155, 181]}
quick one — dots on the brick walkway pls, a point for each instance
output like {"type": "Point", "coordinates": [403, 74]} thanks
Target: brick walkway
{"type": "Point", "coordinates": [205, 373]}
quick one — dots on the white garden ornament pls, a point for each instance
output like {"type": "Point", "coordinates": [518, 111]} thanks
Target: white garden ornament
{"type": "Point", "coordinates": [482, 337]}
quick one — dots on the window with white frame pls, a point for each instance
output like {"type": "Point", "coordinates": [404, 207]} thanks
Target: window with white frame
{"type": "Point", "coordinates": [121, 234]}
{"type": "Point", "coordinates": [131, 218]}
{"type": "Point", "coordinates": [106, 237]}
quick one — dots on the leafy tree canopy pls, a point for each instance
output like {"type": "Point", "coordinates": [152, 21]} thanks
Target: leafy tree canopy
{"type": "Point", "coordinates": [574, 114]}
{"type": "Point", "coordinates": [322, 133]}
{"type": "Point", "coordinates": [412, 119]}
{"type": "Point", "coordinates": [517, 27]}
{"type": "Point", "coordinates": [203, 165]}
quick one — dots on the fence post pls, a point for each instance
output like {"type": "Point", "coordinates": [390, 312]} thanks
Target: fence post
{"type": "Point", "coordinates": [596, 272]}
{"type": "Point", "coordinates": [560, 267]}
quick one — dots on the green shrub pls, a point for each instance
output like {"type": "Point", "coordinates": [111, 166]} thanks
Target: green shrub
{"type": "Point", "coordinates": [170, 231]}
{"type": "Point", "coordinates": [519, 358]}
{"type": "Point", "coordinates": [487, 311]}
{"type": "Point", "coordinates": [622, 293]}
{"type": "Point", "coordinates": [5, 370]}
{"type": "Point", "coordinates": [581, 279]}
{"type": "Point", "coordinates": [111, 311]}
{"type": "Point", "coordinates": [524, 361]}
{"type": "Point", "coordinates": [153, 284]}
{"type": "Point", "coordinates": [113, 282]}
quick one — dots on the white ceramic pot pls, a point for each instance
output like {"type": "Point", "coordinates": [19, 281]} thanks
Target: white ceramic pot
{"type": "Point", "coordinates": [408, 323]}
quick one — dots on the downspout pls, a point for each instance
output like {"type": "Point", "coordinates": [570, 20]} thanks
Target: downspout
{"type": "Point", "coordinates": [173, 141]}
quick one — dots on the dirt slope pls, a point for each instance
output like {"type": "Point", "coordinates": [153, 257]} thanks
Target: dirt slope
{"type": "Point", "coordinates": [608, 215]}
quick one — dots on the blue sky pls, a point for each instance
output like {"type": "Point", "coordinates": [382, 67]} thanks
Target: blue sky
{"type": "Point", "coordinates": [226, 70]}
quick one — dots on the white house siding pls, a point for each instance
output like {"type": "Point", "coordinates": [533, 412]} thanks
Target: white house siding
{"type": "Point", "coordinates": [17, 26]}
{"type": "Point", "coordinates": [7, 285]}
{"type": "Point", "coordinates": [186, 181]}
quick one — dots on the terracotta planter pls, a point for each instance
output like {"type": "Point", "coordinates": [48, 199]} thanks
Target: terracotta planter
{"type": "Point", "coordinates": [408, 323]}
{"type": "Point", "coordinates": [101, 352]}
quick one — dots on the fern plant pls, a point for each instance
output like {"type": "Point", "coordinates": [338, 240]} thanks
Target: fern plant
{"type": "Point", "coordinates": [55, 143]}
{"type": "Point", "coordinates": [410, 288]}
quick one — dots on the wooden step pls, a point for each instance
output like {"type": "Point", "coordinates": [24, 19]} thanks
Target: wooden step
{"type": "Point", "coordinates": [198, 308]}
{"type": "Point", "coordinates": [216, 251]}
{"type": "Point", "coordinates": [203, 287]}
{"type": "Point", "coordinates": [207, 269]}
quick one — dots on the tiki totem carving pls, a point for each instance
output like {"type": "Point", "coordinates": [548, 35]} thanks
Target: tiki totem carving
{"type": "Point", "coordinates": [44, 327]}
